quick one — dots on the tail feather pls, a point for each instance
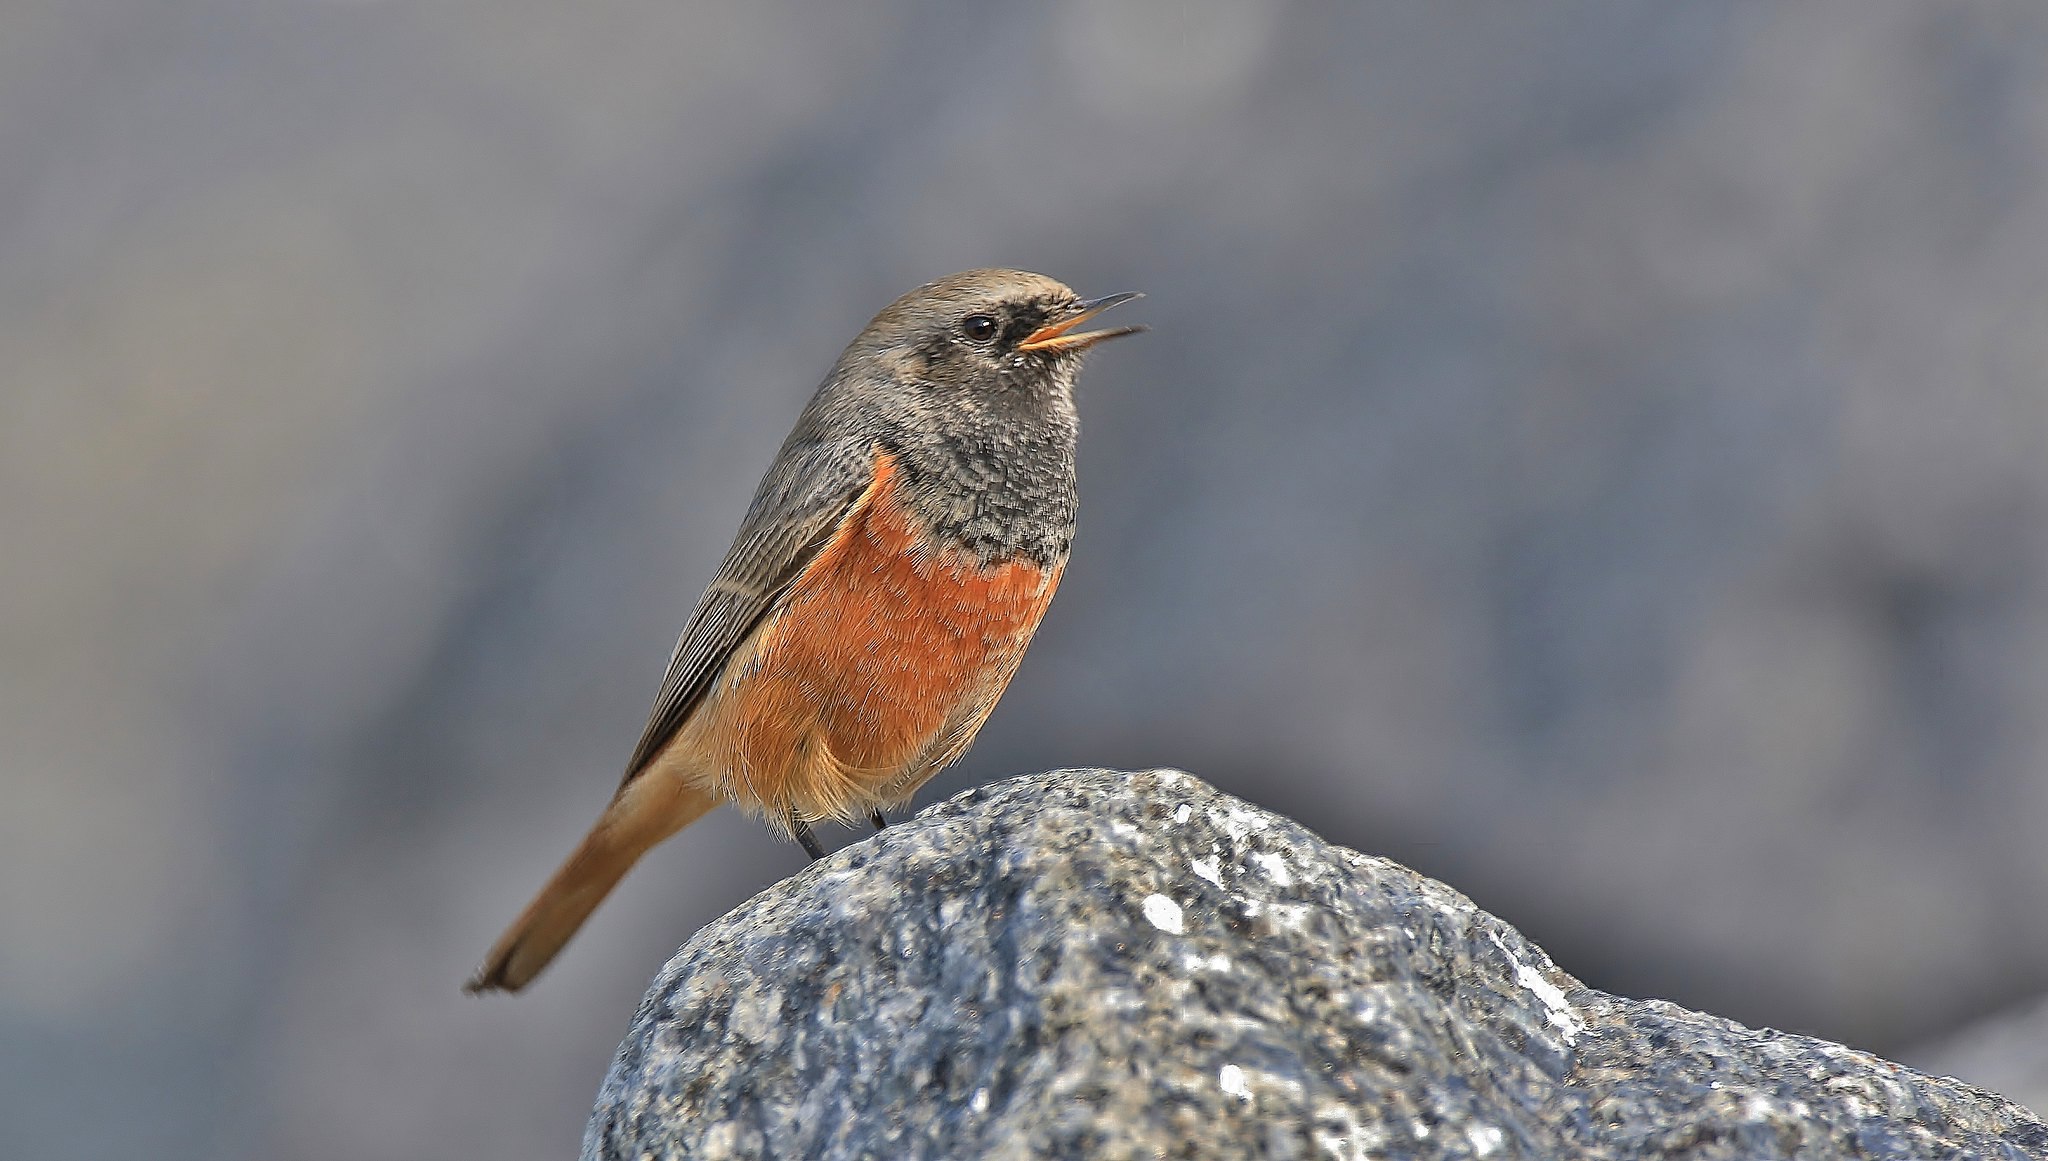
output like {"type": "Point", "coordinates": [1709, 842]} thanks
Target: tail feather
{"type": "Point", "coordinates": [642, 815]}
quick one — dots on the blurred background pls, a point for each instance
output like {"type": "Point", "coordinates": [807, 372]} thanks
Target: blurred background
{"type": "Point", "coordinates": [1595, 453]}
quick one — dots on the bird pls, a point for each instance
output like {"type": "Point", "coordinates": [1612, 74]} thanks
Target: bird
{"type": "Point", "coordinates": [893, 565]}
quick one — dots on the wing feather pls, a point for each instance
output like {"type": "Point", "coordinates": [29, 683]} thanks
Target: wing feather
{"type": "Point", "coordinates": [796, 511]}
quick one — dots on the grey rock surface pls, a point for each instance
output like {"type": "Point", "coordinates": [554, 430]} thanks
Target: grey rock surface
{"type": "Point", "coordinates": [1089, 963]}
{"type": "Point", "coordinates": [2007, 1050]}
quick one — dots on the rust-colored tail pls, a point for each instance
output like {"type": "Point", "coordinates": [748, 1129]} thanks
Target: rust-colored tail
{"type": "Point", "coordinates": [644, 813]}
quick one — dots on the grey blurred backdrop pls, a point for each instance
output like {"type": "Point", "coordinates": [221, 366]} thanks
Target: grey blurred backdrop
{"type": "Point", "coordinates": [1592, 452]}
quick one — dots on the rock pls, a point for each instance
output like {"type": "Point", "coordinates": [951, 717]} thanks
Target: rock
{"type": "Point", "coordinates": [2008, 1049]}
{"type": "Point", "coordinates": [1097, 964]}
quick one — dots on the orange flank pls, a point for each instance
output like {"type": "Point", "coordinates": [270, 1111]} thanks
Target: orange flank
{"type": "Point", "coordinates": [882, 661]}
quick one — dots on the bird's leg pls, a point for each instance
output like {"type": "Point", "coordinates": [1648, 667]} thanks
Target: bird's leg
{"type": "Point", "coordinates": [875, 816]}
{"type": "Point", "coordinates": [802, 831]}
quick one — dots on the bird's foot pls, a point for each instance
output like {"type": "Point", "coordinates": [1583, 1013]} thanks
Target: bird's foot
{"type": "Point", "coordinates": [802, 831]}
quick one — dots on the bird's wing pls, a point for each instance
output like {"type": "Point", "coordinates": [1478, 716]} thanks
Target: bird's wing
{"type": "Point", "coordinates": [800, 505]}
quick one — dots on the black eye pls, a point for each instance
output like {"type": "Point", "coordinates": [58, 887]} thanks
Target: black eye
{"type": "Point", "coordinates": [979, 327]}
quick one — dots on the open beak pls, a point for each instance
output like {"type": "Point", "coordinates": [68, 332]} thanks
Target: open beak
{"type": "Point", "coordinates": [1059, 338]}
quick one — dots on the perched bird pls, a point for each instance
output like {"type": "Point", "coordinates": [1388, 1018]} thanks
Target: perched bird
{"type": "Point", "coordinates": [892, 567]}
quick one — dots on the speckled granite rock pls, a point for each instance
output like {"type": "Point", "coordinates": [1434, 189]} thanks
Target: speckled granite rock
{"type": "Point", "coordinates": [1105, 965]}
{"type": "Point", "coordinates": [2008, 1049]}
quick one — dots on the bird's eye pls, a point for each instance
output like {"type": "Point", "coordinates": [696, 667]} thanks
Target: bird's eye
{"type": "Point", "coordinates": [979, 327]}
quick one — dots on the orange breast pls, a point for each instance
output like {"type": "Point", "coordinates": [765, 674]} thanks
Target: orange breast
{"type": "Point", "coordinates": [883, 660]}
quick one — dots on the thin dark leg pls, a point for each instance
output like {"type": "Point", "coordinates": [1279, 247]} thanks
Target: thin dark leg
{"type": "Point", "coordinates": [875, 816]}
{"type": "Point", "coordinates": [802, 831]}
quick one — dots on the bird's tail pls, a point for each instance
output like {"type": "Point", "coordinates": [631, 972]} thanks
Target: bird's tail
{"type": "Point", "coordinates": [647, 810]}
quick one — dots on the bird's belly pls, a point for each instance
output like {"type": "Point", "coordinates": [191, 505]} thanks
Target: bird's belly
{"type": "Point", "coordinates": [881, 662]}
